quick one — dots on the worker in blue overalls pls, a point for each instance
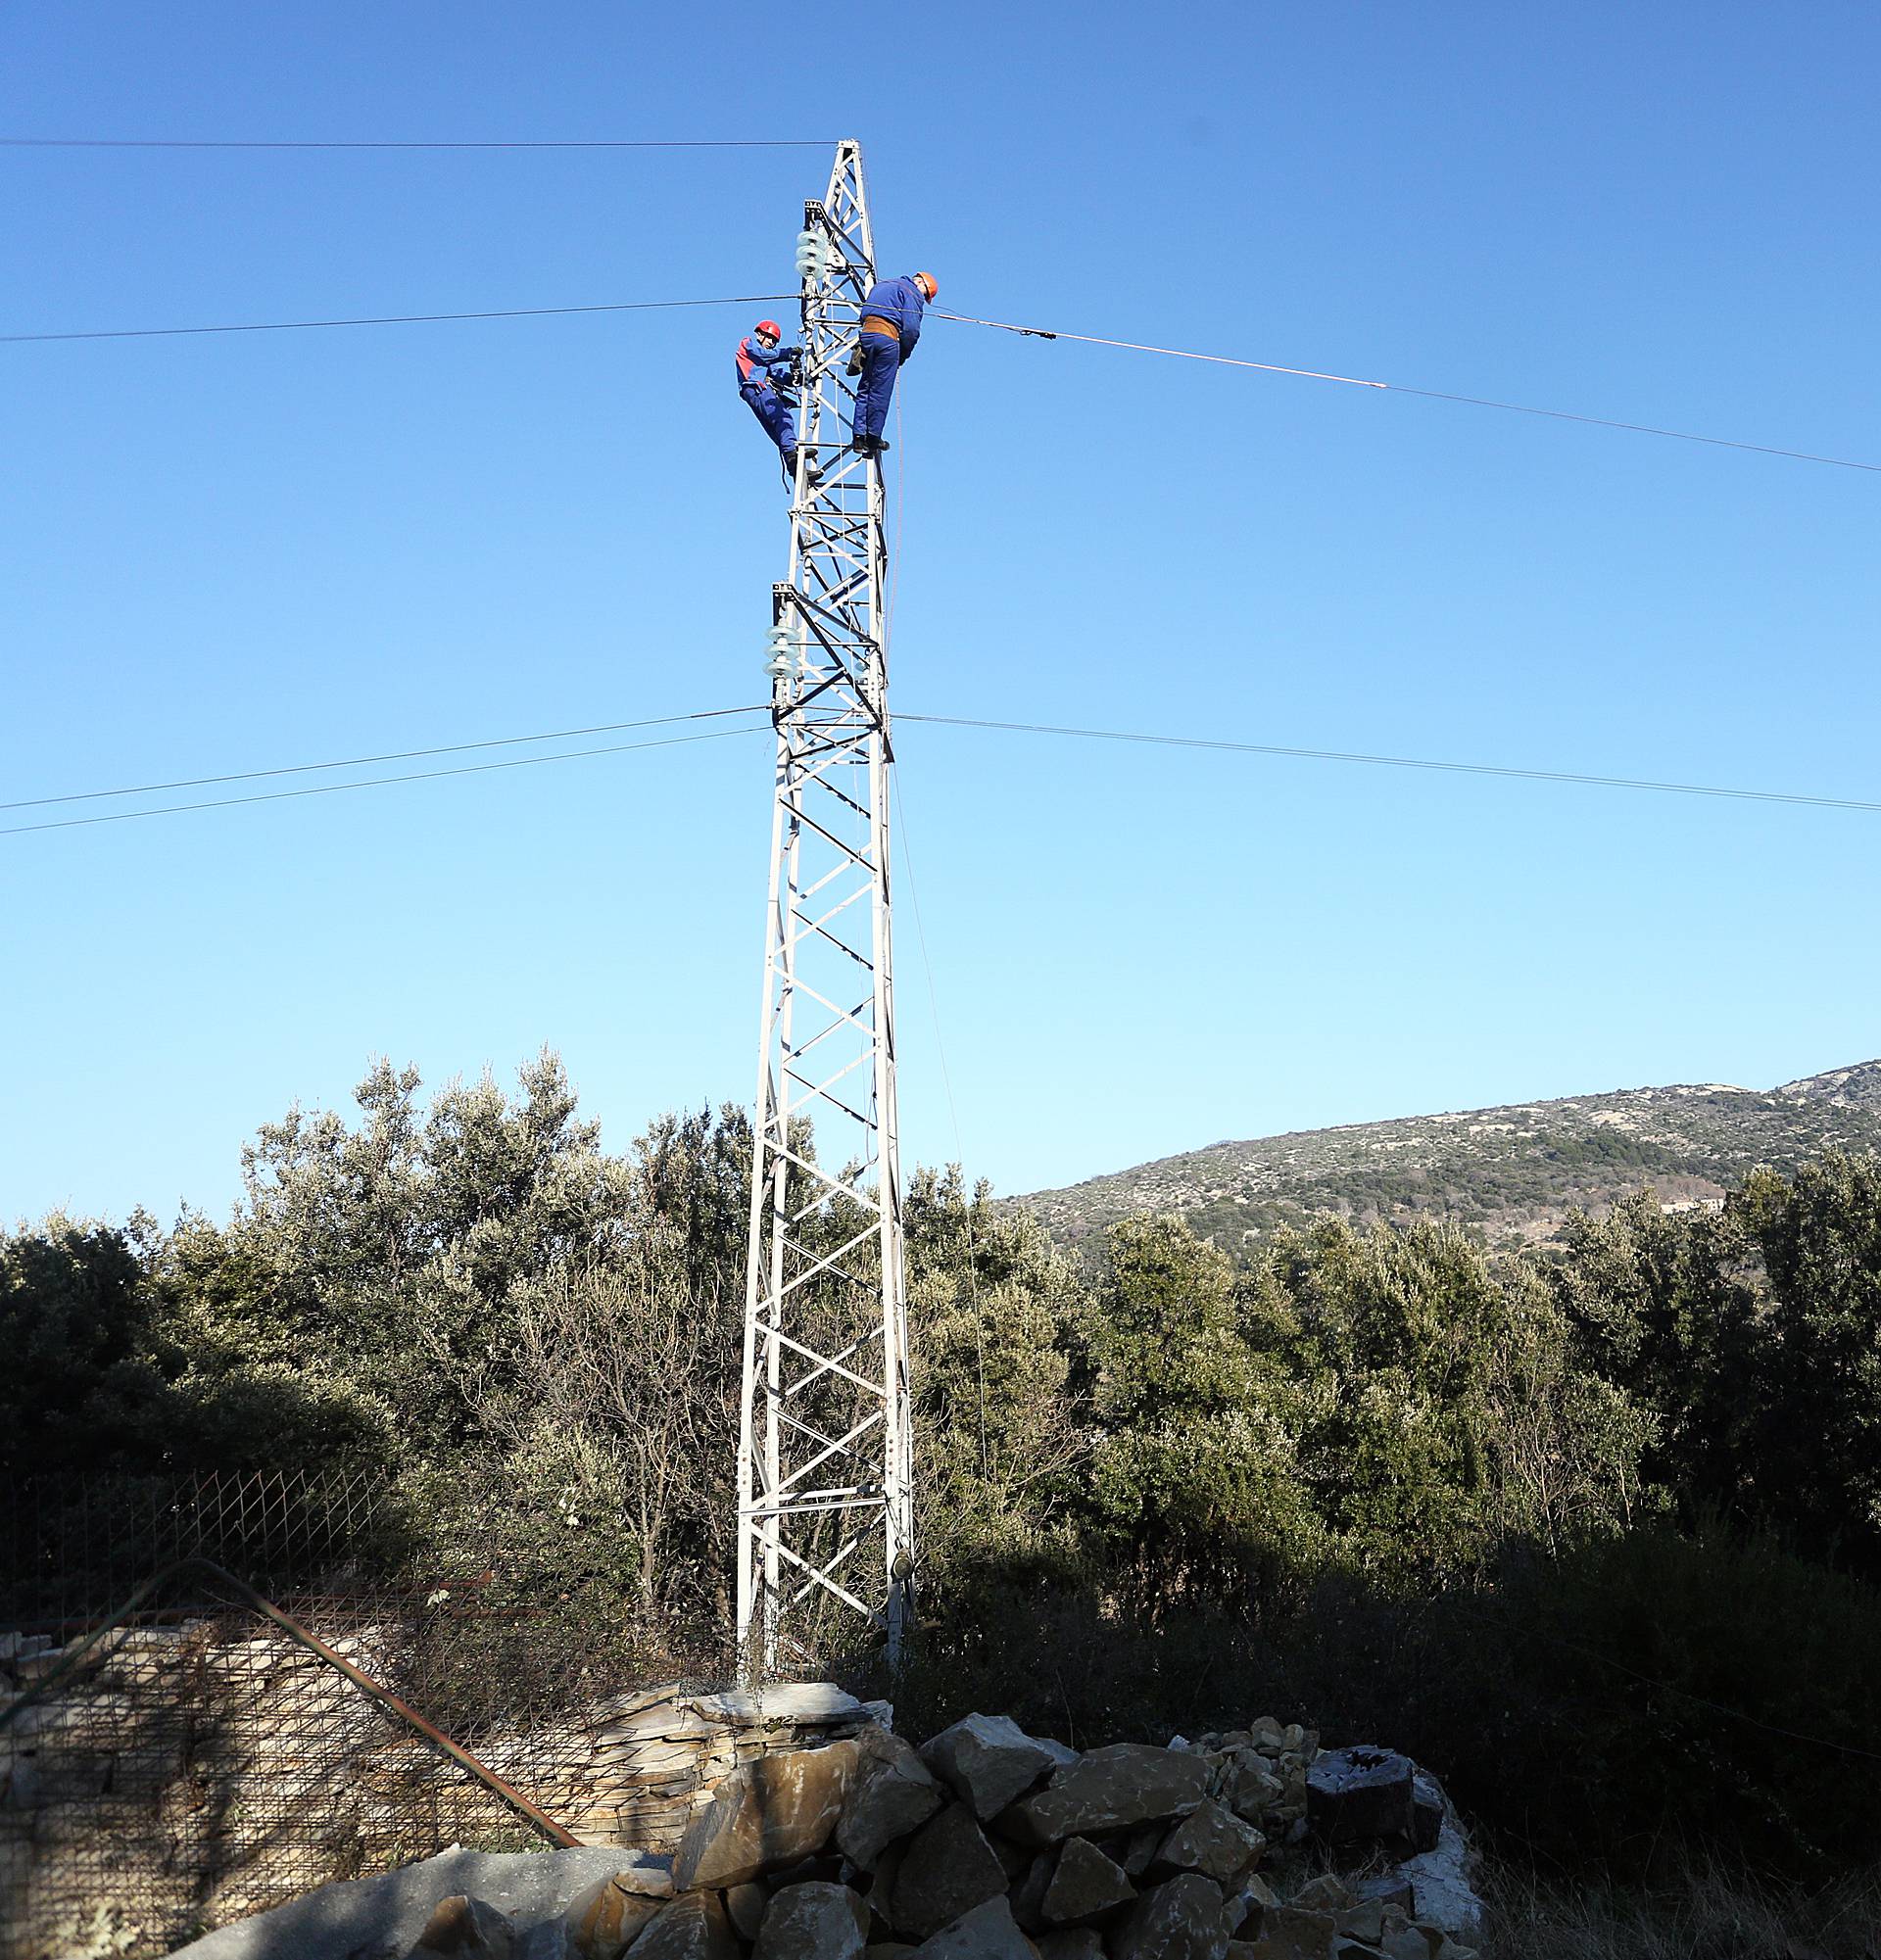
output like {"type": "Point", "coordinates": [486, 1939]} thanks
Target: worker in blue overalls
{"type": "Point", "coordinates": [766, 370]}
{"type": "Point", "coordinates": [890, 326]}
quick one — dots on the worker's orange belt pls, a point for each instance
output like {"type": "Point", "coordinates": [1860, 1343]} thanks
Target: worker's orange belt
{"type": "Point", "coordinates": [875, 323]}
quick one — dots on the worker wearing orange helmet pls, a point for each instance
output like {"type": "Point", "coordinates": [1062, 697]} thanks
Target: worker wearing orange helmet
{"type": "Point", "coordinates": [890, 327]}
{"type": "Point", "coordinates": [766, 372]}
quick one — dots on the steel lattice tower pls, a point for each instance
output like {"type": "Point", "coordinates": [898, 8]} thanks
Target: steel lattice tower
{"type": "Point", "coordinates": [825, 1512]}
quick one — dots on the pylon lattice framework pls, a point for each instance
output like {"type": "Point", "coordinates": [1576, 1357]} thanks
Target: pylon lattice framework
{"type": "Point", "coordinates": [825, 1520]}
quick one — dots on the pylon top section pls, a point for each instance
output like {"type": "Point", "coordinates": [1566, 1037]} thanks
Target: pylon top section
{"type": "Point", "coordinates": [827, 640]}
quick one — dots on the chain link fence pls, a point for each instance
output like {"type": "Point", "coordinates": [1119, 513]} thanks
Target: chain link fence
{"type": "Point", "coordinates": [174, 1756]}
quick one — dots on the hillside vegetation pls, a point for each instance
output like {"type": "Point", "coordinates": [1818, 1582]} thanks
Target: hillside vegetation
{"type": "Point", "coordinates": [1594, 1530]}
{"type": "Point", "coordinates": [1512, 1173]}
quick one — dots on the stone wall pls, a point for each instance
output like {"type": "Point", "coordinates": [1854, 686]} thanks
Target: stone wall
{"type": "Point", "coordinates": [636, 1770]}
{"type": "Point", "coordinates": [195, 1773]}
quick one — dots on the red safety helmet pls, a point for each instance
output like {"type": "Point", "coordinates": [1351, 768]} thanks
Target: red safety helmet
{"type": "Point", "coordinates": [929, 283]}
{"type": "Point", "coordinates": [770, 327]}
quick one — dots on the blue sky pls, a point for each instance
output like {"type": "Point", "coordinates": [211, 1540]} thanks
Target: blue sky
{"type": "Point", "coordinates": [233, 552]}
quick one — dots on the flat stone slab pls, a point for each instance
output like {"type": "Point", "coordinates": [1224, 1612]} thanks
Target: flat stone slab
{"type": "Point", "coordinates": [365, 1919]}
{"type": "Point", "coordinates": [780, 1701]}
{"type": "Point", "coordinates": [663, 1722]}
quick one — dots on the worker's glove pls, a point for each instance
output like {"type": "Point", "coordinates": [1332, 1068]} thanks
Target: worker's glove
{"type": "Point", "coordinates": [855, 358]}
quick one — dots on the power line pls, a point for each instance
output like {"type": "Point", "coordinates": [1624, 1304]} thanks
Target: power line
{"type": "Point", "coordinates": [963, 319]}
{"type": "Point", "coordinates": [360, 761]}
{"type": "Point", "coordinates": [573, 143]}
{"type": "Point", "coordinates": [1408, 762]}
{"type": "Point", "coordinates": [402, 319]}
{"type": "Point", "coordinates": [375, 782]}
{"type": "Point", "coordinates": [1427, 394]}
{"type": "Point", "coordinates": [1141, 737]}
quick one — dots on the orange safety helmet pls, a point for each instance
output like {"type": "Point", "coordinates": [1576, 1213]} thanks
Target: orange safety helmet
{"type": "Point", "coordinates": [772, 328]}
{"type": "Point", "coordinates": [928, 282]}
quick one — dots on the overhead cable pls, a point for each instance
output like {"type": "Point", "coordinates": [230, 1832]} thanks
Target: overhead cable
{"type": "Point", "coordinates": [570, 143]}
{"type": "Point", "coordinates": [404, 319]}
{"type": "Point", "coordinates": [963, 319]}
{"type": "Point", "coordinates": [1578, 778]}
{"type": "Point", "coordinates": [378, 781]}
{"type": "Point", "coordinates": [362, 761]}
{"type": "Point", "coordinates": [1427, 394]}
{"type": "Point", "coordinates": [1408, 762]}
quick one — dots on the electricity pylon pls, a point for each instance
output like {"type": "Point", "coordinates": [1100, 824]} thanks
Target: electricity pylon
{"type": "Point", "coordinates": [825, 1464]}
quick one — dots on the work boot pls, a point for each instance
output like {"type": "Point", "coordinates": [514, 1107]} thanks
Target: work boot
{"type": "Point", "coordinates": [861, 445]}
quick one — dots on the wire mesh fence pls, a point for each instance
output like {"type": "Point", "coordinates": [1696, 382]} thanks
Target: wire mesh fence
{"type": "Point", "coordinates": [174, 1756]}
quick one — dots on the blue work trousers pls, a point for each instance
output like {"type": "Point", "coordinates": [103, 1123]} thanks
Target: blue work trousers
{"type": "Point", "coordinates": [881, 364]}
{"type": "Point", "coordinates": [774, 412]}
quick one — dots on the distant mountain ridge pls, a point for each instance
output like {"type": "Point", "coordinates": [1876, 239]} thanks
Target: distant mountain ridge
{"type": "Point", "coordinates": [1512, 1173]}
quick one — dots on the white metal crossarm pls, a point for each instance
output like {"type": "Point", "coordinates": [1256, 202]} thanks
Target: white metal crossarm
{"type": "Point", "coordinates": [839, 1497]}
{"type": "Point", "coordinates": [825, 1369]}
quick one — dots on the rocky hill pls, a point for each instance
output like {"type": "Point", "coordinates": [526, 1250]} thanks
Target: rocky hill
{"type": "Point", "coordinates": [1511, 1174]}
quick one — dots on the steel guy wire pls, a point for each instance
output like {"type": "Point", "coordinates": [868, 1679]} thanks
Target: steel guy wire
{"type": "Point", "coordinates": [379, 782]}
{"type": "Point", "coordinates": [401, 319]}
{"type": "Point", "coordinates": [1427, 394]}
{"type": "Point", "coordinates": [362, 761]}
{"type": "Point", "coordinates": [1586, 780]}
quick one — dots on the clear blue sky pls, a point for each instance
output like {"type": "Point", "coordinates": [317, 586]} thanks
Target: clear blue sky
{"type": "Point", "coordinates": [231, 553]}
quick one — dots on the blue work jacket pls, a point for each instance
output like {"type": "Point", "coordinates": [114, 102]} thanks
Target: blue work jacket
{"type": "Point", "coordinates": [754, 361]}
{"type": "Point", "coordinates": [900, 303]}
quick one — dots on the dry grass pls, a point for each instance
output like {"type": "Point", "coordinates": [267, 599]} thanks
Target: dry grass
{"type": "Point", "coordinates": [1710, 1912]}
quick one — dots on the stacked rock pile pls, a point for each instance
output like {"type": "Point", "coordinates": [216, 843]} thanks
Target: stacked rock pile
{"type": "Point", "coordinates": [993, 1844]}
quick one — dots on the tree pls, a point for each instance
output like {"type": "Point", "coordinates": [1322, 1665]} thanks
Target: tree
{"type": "Point", "coordinates": [1447, 1411]}
{"type": "Point", "coordinates": [622, 1380]}
{"type": "Point", "coordinates": [1816, 1465]}
{"type": "Point", "coordinates": [80, 1384]}
{"type": "Point", "coordinates": [1196, 1465]}
{"type": "Point", "coordinates": [692, 1171]}
{"type": "Point", "coordinates": [995, 1327]}
{"type": "Point", "coordinates": [1668, 1308]}
{"type": "Point", "coordinates": [392, 1243]}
